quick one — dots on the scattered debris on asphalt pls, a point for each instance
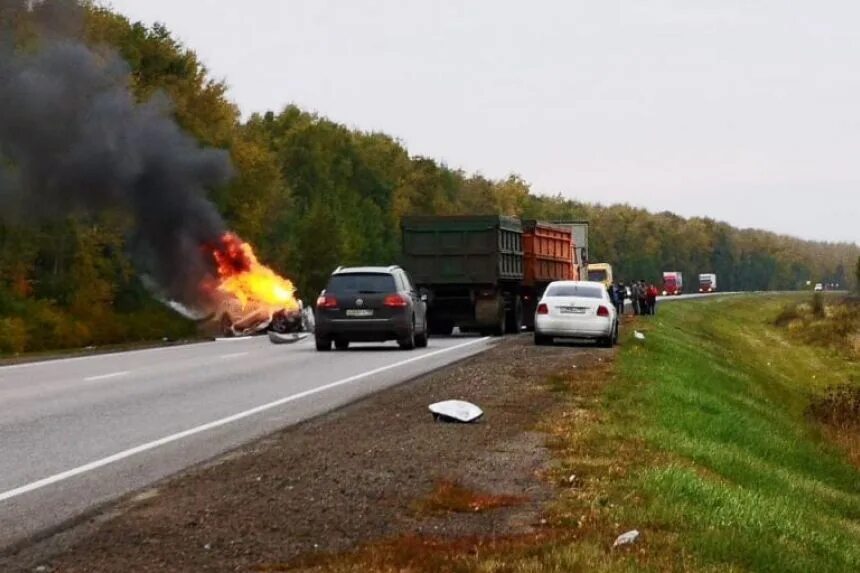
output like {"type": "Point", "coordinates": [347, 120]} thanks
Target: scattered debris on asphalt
{"type": "Point", "coordinates": [289, 338]}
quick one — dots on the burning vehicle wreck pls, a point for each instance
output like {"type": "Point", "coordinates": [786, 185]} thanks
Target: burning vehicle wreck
{"type": "Point", "coordinates": [245, 297]}
{"type": "Point", "coordinates": [234, 320]}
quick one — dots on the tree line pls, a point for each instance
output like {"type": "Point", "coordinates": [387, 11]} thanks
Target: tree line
{"type": "Point", "coordinates": [311, 194]}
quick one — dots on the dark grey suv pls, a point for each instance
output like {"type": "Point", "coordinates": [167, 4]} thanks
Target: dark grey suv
{"type": "Point", "coordinates": [370, 304]}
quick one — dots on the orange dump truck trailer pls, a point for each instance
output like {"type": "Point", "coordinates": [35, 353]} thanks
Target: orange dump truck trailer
{"type": "Point", "coordinates": [548, 255]}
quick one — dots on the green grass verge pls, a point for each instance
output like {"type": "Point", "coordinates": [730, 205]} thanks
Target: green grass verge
{"type": "Point", "coordinates": [698, 437]}
{"type": "Point", "coordinates": [748, 482]}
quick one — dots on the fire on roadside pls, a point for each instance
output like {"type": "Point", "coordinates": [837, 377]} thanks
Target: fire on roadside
{"type": "Point", "coordinates": [247, 292]}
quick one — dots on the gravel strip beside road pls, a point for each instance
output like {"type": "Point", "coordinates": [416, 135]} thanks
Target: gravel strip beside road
{"type": "Point", "coordinates": [346, 478]}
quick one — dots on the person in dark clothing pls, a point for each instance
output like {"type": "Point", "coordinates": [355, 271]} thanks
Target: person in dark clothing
{"type": "Point", "coordinates": [634, 298]}
{"type": "Point", "coordinates": [642, 293]}
{"type": "Point", "coordinates": [620, 295]}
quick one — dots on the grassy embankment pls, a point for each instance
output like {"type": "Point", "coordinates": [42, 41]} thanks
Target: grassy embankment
{"type": "Point", "coordinates": [707, 446]}
{"type": "Point", "coordinates": [700, 437]}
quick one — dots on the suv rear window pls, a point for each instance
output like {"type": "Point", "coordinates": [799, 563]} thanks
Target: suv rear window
{"type": "Point", "coordinates": [583, 291]}
{"type": "Point", "coordinates": [361, 283]}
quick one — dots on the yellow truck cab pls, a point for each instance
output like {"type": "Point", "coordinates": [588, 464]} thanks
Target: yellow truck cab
{"type": "Point", "coordinates": [600, 272]}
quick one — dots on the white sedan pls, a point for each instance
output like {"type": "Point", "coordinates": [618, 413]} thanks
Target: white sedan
{"type": "Point", "coordinates": [576, 309]}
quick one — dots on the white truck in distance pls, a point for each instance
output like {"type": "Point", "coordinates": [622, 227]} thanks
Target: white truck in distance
{"type": "Point", "coordinates": [708, 282]}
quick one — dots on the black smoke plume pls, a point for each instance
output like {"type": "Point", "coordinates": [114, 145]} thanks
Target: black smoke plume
{"type": "Point", "coordinates": [74, 139]}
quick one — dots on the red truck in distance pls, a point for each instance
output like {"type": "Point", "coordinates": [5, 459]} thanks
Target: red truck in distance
{"type": "Point", "coordinates": [673, 283]}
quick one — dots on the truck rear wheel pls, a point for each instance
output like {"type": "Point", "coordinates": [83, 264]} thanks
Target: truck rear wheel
{"type": "Point", "coordinates": [491, 316]}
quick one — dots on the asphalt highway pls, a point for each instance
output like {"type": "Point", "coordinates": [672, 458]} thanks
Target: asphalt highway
{"type": "Point", "coordinates": [78, 433]}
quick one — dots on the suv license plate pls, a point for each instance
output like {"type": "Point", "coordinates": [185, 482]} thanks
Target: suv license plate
{"type": "Point", "coordinates": [359, 313]}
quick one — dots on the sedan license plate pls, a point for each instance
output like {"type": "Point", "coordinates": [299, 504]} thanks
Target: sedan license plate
{"type": "Point", "coordinates": [359, 313]}
{"type": "Point", "coordinates": [571, 310]}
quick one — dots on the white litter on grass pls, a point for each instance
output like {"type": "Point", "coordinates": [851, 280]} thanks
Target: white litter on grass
{"type": "Point", "coordinates": [455, 411]}
{"type": "Point", "coordinates": [638, 335]}
{"type": "Point", "coordinates": [626, 538]}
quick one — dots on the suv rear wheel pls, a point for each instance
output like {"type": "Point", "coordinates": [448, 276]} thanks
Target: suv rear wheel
{"type": "Point", "coordinates": [421, 339]}
{"type": "Point", "coordinates": [408, 343]}
{"type": "Point", "coordinates": [323, 344]}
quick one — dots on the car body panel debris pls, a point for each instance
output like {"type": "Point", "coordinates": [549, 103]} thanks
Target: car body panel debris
{"type": "Point", "coordinates": [626, 538]}
{"type": "Point", "coordinates": [456, 411]}
{"type": "Point", "coordinates": [286, 338]}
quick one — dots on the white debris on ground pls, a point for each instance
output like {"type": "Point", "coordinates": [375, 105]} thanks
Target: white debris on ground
{"type": "Point", "coordinates": [308, 322]}
{"type": "Point", "coordinates": [455, 411]}
{"type": "Point", "coordinates": [626, 538]}
{"type": "Point", "coordinates": [638, 335]}
{"type": "Point", "coordinates": [288, 338]}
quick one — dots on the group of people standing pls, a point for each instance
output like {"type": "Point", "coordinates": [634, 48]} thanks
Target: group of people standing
{"type": "Point", "coordinates": [643, 297]}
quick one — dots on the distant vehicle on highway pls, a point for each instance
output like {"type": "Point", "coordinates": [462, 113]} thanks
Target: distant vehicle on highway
{"type": "Point", "coordinates": [673, 283]}
{"type": "Point", "coordinates": [819, 287]}
{"type": "Point", "coordinates": [707, 282]}
{"type": "Point", "coordinates": [601, 272]}
{"type": "Point", "coordinates": [576, 309]}
{"type": "Point", "coordinates": [370, 304]}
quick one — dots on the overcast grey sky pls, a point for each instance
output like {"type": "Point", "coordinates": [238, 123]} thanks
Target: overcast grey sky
{"type": "Point", "coordinates": [743, 110]}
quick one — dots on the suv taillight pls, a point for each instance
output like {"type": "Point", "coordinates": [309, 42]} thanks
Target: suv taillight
{"type": "Point", "coordinates": [327, 302]}
{"type": "Point", "coordinates": [602, 311]}
{"type": "Point", "coordinates": [395, 301]}
{"type": "Point", "coordinates": [543, 309]}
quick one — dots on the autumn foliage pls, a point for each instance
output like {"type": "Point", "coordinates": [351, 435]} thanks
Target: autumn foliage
{"type": "Point", "coordinates": [311, 194]}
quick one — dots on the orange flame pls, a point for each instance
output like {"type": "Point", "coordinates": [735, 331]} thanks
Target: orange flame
{"type": "Point", "coordinates": [243, 277]}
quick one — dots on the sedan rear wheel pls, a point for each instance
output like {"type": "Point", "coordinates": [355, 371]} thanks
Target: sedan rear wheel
{"type": "Point", "coordinates": [541, 340]}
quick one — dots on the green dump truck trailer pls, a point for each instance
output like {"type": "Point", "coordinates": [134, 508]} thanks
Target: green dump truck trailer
{"type": "Point", "coordinates": [470, 268]}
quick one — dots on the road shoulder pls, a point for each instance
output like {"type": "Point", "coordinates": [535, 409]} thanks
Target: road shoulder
{"type": "Point", "coordinates": [378, 469]}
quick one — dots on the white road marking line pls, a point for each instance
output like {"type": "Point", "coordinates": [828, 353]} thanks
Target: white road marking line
{"type": "Point", "coordinates": [234, 339]}
{"type": "Point", "coordinates": [107, 376]}
{"type": "Point", "coordinates": [234, 355]}
{"type": "Point", "coordinates": [56, 478]}
{"type": "Point", "coordinates": [55, 361]}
